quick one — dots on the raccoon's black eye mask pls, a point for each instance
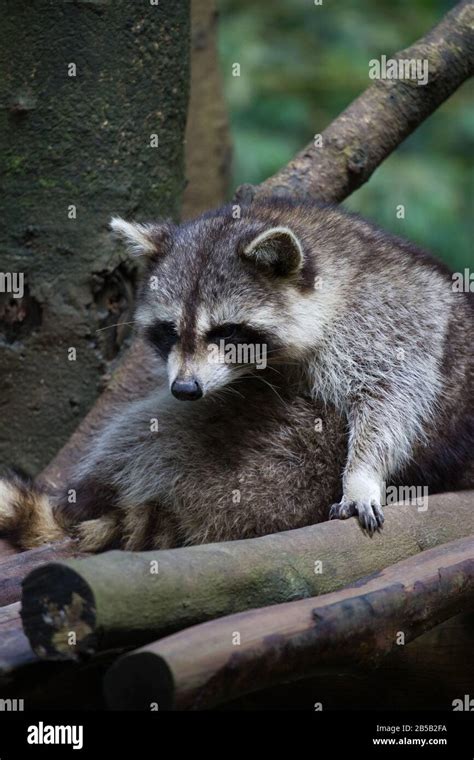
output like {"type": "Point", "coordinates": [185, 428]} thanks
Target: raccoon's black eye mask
{"type": "Point", "coordinates": [162, 336]}
{"type": "Point", "coordinates": [229, 332]}
{"type": "Point", "coordinates": [233, 334]}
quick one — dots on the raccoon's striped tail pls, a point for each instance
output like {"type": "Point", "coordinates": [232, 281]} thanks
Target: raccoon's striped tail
{"type": "Point", "coordinates": [26, 513]}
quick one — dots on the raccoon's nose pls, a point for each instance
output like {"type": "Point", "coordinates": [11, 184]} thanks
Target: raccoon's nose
{"type": "Point", "coordinates": [186, 390]}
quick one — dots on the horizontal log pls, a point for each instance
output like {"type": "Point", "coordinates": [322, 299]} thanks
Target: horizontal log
{"type": "Point", "coordinates": [425, 674]}
{"type": "Point", "coordinates": [7, 548]}
{"type": "Point", "coordinates": [125, 598]}
{"type": "Point", "coordinates": [15, 650]}
{"type": "Point", "coordinates": [14, 567]}
{"type": "Point", "coordinates": [211, 663]}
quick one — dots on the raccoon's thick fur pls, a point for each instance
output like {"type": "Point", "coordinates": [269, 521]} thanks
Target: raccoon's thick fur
{"type": "Point", "coordinates": [368, 380]}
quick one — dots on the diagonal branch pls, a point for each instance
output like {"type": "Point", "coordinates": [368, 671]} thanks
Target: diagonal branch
{"type": "Point", "coordinates": [357, 142]}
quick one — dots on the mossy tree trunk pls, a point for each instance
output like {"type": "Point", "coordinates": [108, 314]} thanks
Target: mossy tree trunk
{"type": "Point", "coordinates": [94, 96]}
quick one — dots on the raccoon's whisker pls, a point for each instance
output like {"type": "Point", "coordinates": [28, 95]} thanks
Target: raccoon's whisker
{"type": "Point", "coordinates": [274, 369]}
{"type": "Point", "coordinates": [266, 383]}
{"type": "Point", "coordinates": [283, 362]}
{"type": "Point", "coordinates": [230, 389]}
{"type": "Point", "coordinates": [117, 324]}
{"type": "Point", "coordinates": [224, 391]}
{"type": "Point", "coordinates": [275, 351]}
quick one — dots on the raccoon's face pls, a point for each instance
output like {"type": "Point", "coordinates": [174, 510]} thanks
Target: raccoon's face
{"type": "Point", "coordinates": [221, 298]}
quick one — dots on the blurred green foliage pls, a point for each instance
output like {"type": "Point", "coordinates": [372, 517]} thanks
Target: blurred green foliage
{"type": "Point", "coordinates": [302, 64]}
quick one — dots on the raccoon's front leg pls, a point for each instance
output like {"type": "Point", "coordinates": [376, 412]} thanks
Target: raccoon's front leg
{"type": "Point", "coordinates": [366, 466]}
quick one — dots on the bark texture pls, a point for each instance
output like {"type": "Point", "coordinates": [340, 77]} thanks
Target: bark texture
{"type": "Point", "coordinates": [78, 137]}
{"type": "Point", "coordinates": [208, 146]}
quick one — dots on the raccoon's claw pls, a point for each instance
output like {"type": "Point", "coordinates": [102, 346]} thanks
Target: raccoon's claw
{"type": "Point", "coordinates": [370, 514]}
{"type": "Point", "coordinates": [342, 510]}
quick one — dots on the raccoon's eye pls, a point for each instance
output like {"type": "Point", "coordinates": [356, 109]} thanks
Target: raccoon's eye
{"type": "Point", "coordinates": [229, 332]}
{"type": "Point", "coordinates": [162, 336]}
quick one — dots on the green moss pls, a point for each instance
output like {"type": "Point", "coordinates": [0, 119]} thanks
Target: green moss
{"type": "Point", "coordinates": [14, 163]}
{"type": "Point", "coordinates": [47, 183]}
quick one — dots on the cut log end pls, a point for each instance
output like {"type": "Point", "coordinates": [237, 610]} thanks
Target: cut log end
{"type": "Point", "coordinates": [63, 626]}
{"type": "Point", "coordinates": [142, 681]}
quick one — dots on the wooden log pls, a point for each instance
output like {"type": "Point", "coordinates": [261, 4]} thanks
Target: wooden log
{"type": "Point", "coordinates": [41, 684]}
{"type": "Point", "coordinates": [14, 568]}
{"type": "Point", "coordinates": [216, 661]}
{"type": "Point", "coordinates": [425, 674]}
{"type": "Point", "coordinates": [7, 548]}
{"type": "Point", "coordinates": [15, 650]}
{"type": "Point", "coordinates": [126, 598]}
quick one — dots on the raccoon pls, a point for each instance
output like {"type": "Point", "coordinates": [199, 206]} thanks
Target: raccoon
{"type": "Point", "coordinates": [324, 358]}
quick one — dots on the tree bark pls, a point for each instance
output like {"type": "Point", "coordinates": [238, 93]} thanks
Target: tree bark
{"type": "Point", "coordinates": [14, 568]}
{"type": "Point", "coordinates": [15, 651]}
{"type": "Point", "coordinates": [423, 674]}
{"type": "Point", "coordinates": [84, 87]}
{"type": "Point", "coordinates": [211, 663]}
{"type": "Point", "coordinates": [122, 598]}
{"type": "Point", "coordinates": [354, 145]}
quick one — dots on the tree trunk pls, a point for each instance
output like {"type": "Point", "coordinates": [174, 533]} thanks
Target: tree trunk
{"type": "Point", "coordinates": [129, 598]}
{"type": "Point", "coordinates": [87, 90]}
{"type": "Point", "coordinates": [208, 146]}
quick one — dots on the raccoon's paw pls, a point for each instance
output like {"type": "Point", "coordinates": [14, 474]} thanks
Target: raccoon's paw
{"type": "Point", "coordinates": [369, 512]}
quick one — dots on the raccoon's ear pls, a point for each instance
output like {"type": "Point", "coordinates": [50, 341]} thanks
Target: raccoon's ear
{"type": "Point", "coordinates": [277, 250]}
{"type": "Point", "coordinates": [142, 239]}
